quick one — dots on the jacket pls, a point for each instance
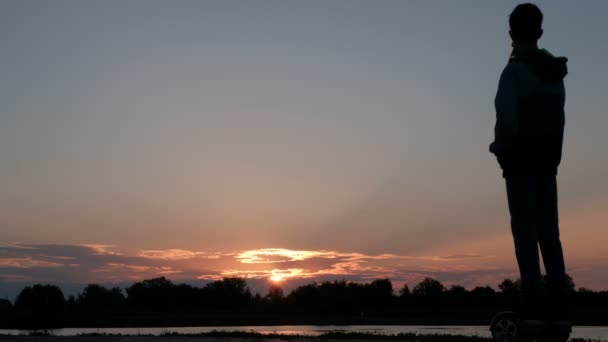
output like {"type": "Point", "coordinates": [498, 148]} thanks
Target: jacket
{"type": "Point", "coordinates": [530, 118]}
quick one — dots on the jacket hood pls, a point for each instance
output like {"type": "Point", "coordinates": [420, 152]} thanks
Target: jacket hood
{"type": "Point", "coordinates": [548, 68]}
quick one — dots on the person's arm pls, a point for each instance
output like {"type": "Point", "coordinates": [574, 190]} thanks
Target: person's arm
{"type": "Point", "coordinates": [505, 103]}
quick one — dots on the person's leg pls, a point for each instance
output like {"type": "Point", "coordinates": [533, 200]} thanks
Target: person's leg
{"type": "Point", "coordinates": [521, 195]}
{"type": "Point", "coordinates": [550, 244]}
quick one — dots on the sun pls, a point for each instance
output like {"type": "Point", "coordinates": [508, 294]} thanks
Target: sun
{"type": "Point", "coordinates": [276, 278]}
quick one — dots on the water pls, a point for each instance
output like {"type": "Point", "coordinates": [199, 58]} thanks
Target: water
{"type": "Point", "coordinates": [600, 333]}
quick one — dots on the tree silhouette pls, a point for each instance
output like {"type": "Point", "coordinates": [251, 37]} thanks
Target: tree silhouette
{"type": "Point", "coordinates": [430, 288]}
{"type": "Point", "coordinates": [40, 306]}
{"type": "Point", "coordinates": [380, 293]}
{"type": "Point", "coordinates": [303, 299]}
{"type": "Point", "coordinates": [381, 287]}
{"type": "Point", "coordinates": [483, 296]}
{"type": "Point", "coordinates": [274, 298]}
{"type": "Point", "coordinates": [457, 291]}
{"type": "Point", "coordinates": [570, 287]}
{"type": "Point", "coordinates": [275, 293]}
{"type": "Point", "coordinates": [334, 296]}
{"type": "Point", "coordinates": [456, 295]}
{"type": "Point", "coordinates": [510, 287]}
{"type": "Point", "coordinates": [228, 293]}
{"type": "Point", "coordinates": [229, 301]}
{"type": "Point", "coordinates": [5, 309]}
{"type": "Point", "coordinates": [96, 298]}
{"type": "Point", "coordinates": [151, 294]}
{"type": "Point", "coordinates": [428, 293]}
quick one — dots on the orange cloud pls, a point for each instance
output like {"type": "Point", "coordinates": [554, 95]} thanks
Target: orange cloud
{"type": "Point", "coordinates": [27, 263]}
{"type": "Point", "coordinates": [175, 254]}
{"type": "Point", "coordinates": [324, 264]}
{"type": "Point", "coordinates": [273, 255]}
{"type": "Point", "coordinates": [278, 255]}
{"type": "Point", "coordinates": [101, 249]}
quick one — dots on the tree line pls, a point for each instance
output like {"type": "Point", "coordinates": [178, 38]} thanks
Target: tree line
{"type": "Point", "coordinates": [159, 301]}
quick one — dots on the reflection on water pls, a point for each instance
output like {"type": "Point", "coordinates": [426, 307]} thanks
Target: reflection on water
{"type": "Point", "coordinates": [600, 333]}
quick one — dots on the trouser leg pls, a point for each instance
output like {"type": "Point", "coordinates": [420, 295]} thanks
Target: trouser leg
{"type": "Point", "coordinates": [549, 241]}
{"type": "Point", "coordinates": [522, 199]}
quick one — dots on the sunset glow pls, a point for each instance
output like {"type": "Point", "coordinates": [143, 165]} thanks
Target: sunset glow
{"type": "Point", "coordinates": [84, 262]}
{"type": "Point", "coordinates": [276, 278]}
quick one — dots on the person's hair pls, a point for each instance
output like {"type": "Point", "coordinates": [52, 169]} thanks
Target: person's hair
{"type": "Point", "coordinates": [525, 22]}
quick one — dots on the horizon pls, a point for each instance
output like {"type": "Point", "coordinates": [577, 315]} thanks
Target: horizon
{"type": "Point", "coordinates": [103, 260]}
{"type": "Point", "coordinates": [280, 140]}
{"type": "Point", "coordinates": [256, 286]}
{"type": "Point", "coordinates": [117, 268]}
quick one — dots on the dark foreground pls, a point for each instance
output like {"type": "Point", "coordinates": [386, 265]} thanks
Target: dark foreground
{"type": "Point", "coordinates": [248, 336]}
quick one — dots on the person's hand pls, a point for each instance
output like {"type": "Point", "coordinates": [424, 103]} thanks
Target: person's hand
{"type": "Point", "coordinates": [505, 160]}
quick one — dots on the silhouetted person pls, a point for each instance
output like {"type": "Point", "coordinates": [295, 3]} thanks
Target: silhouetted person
{"type": "Point", "coordinates": [528, 145]}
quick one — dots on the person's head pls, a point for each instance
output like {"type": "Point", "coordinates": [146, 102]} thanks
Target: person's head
{"type": "Point", "coordinates": [525, 23]}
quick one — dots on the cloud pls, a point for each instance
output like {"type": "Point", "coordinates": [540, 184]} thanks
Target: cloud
{"type": "Point", "coordinates": [176, 254]}
{"type": "Point", "coordinates": [274, 255]}
{"type": "Point", "coordinates": [460, 256]}
{"type": "Point", "coordinates": [277, 255]}
{"type": "Point", "coordinates": [102, 262]}
{"type": "Point", "coordinates": [297, 265]}
{"type": "Point", "coordinates": [114, 271]}
{"type": "Point", "coordinates": [17, 245]}
{"type": "Point", "coordinates": [101, 249]}
{"type": "Point", "coordinates": [27, 263]}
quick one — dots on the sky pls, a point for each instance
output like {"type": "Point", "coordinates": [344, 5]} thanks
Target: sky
{"type": "Point", "coordinates": [302, 140]}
